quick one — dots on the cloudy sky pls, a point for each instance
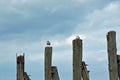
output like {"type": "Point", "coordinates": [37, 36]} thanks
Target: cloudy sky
{"type": "Point", "coordinates": [26, 25]}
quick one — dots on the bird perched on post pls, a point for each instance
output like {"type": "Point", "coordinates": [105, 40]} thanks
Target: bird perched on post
{"type": "Point", "coordinates": [48, 43]}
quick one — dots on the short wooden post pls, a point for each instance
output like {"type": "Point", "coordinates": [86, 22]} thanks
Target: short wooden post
{"type": "Point", "coordinates": [54, 73]}
{"type": "Point", "coordinates": [48, 62]}
{"type": "Point", "coordinates": [112, 55]}
{"type": "Point", "coordinates": [118, 62]}
{"type": "Point", "coordinates": [85, 73]}
{"type": "Point", "coordinates": [77, 59]}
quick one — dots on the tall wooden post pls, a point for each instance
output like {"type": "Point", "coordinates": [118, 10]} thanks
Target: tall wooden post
{"type": "Point", "coordinates": [48, 62]}
{"type": "Point", "coordinates": [112, 55]}
{"type": "Point", "coordinates": [77, 59]}
{"type": "Point", "coordinates": [118, 62]}
{"type": "Point", "coordinates": [20, 67]}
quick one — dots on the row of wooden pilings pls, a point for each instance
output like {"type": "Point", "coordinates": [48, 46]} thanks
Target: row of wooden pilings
{"type": "Point", "coordinates": [79, 66]}
{"type": "Point", "coordinates": [80, 71]}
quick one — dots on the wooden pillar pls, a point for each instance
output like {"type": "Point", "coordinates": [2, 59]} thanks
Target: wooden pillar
{"type": "Point", "coordinates": [118, 62]}
{"type": "Point", "coordinates": [85, 73]}
{"type": "Point", "coordinates": [77, 59]}
{"type": "Point", "coordinates": [54, 73]}
{"type": "Point", "coordinates": [112, 55]}
{"type": "Point", "coordinates": [20, 67]}
{"type": "Point", "coordinates": [48, 62]}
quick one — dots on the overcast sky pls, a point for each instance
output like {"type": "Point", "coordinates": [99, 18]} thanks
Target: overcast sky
{"type": "Point", "coordinates": [26, 25]}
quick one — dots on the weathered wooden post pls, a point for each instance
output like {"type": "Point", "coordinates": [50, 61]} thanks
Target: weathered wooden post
{"type": "Point", "coordinates": [20, 67]}
{"type": "Point", "coordinates": [112, 55]}
{"type": "Point", "coordinates": [54, 73]}
{"type": "Point", "coordinates": [48, 62]}
{"type": "Point", "coordinates": [77, 59]}
{"type": "Point", "coordinates": [85, 72]}
{"type": "Point", "coordinates": [118, 62]}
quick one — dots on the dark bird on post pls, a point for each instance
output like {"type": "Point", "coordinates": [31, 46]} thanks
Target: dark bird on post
{"type": "Point", "coordinates": [48, 43]}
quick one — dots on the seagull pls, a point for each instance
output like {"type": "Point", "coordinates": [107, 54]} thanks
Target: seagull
{"type": "Point", "coordinates": [48, 43]}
